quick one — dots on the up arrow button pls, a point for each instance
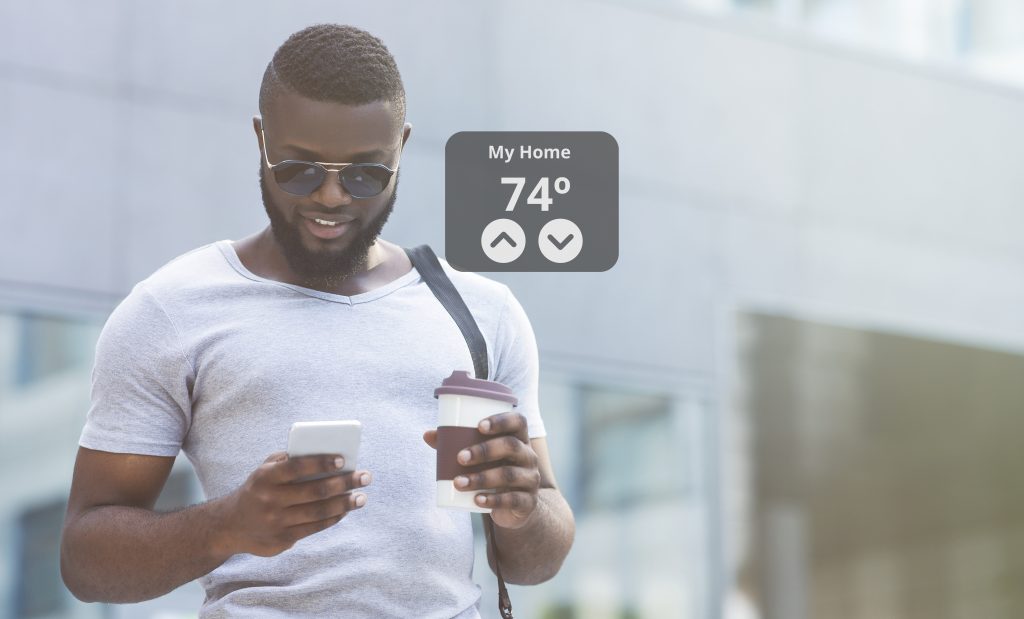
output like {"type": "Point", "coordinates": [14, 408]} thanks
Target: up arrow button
{"type": "Point", "coordinates": [505, 230]}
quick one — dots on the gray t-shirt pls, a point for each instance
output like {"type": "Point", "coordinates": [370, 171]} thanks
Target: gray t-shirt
{"type": "Point", "coordinates": [205, 357]}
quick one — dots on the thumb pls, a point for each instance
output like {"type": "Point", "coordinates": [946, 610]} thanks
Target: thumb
{"type": "Point", "coordinates": [430, 438]}
{"type": "Point", "coordinates": [277, 456]}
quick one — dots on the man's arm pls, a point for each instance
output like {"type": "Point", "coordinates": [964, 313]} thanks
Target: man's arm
{"type": "Point", "coordinates": [114, 548]}
{"type": "Point", "coordinates": [535, 552]}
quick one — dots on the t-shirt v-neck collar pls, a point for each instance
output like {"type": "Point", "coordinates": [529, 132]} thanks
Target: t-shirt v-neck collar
{"type": "Point", "coordinates": [228, 250]}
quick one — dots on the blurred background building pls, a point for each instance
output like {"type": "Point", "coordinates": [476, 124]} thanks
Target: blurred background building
{"type": "Point", "coordinates": [797, 394]}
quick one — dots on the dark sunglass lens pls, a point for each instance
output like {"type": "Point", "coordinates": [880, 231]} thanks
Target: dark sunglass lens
{"type": "Point", "coordinates": [364, 181]}
{"type": "Point", "coordinates": [298, 178]}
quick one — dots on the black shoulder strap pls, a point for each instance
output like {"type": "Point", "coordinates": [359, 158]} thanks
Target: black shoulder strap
{"type": "Point", "coordinates": [425, 261]}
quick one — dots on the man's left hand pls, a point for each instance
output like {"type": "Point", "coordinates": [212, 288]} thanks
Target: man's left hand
{"type": "Point", "coordinates": [515, 477]}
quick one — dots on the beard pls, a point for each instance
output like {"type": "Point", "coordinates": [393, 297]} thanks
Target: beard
{"type": "Point", "coordinates": [327, 268]}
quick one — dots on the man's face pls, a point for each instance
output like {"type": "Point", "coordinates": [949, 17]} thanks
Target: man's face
{"type": "Point", "coordinates": [298, 128]}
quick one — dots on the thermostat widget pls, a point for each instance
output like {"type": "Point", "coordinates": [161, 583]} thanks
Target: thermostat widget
{"type": "Point", "coordinates": [532, 201]}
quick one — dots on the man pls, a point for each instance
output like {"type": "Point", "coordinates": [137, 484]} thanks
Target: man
{"type": "Point", "coordinates": [221, 349]}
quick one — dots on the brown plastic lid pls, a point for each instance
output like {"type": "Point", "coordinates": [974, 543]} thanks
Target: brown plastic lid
{"type": "Point", "coordinates": [461, 383]}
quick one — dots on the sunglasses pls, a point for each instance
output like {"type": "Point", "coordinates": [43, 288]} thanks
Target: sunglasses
{"type": "Point", "coordinates": [301, 178]}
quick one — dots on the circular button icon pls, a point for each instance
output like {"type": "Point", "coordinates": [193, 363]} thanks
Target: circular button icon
{"type": "Point", "coordinates": [503, 240]}
{"type": "Point", "coordinates": [560, 240]}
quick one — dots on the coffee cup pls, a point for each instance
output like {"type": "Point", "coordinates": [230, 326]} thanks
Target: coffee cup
{"type": "Point", "coordinates": [463, 402]}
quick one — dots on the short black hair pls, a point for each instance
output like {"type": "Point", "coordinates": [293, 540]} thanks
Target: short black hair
{"type": "Point", "coordinates": [334, 63]}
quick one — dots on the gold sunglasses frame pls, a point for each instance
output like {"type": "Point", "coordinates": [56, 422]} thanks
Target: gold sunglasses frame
{"type": "Point", "coordinates": [324, 166]}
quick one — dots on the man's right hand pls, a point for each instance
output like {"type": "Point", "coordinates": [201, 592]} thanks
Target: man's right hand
{"type": "Point", "coordinates": [271, 511]}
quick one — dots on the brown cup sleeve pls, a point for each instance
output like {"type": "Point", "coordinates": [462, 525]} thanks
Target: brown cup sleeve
{"type": "Point", "coordinates": [450, 441]}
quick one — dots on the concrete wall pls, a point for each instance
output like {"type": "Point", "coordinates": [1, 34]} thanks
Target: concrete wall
{"type": "Point", "coordinates": [774, 166]}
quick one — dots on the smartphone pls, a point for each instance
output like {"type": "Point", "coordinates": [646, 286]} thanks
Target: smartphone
{"type": "Point", "coordinates": [308, 438]}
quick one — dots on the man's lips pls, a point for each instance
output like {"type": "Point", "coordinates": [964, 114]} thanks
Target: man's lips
{"type": "Point", "coordinates": [328, 217]}
{"type": "Point", "coordinates": [322, 231]}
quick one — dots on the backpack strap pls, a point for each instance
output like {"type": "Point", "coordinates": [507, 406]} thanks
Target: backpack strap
{"type": "Point", "coordinates": [425, 261]}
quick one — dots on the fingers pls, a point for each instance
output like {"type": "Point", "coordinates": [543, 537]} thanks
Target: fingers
{"type": "Point", "coordinates": [507, 447]}
{"type": "Point", "coordinates": [506, 423]}
{"type": "Point", "coordinates": [500, 478]}
{"type": "Point", "coordinates": [288, 470]}
{"type": "Point", "coordinates": [320, 489]}
{"type": "Point", "coordinates": [515, 501]}
{"type": "Point", "coordinates": [322, 510]}
{"type": "Point", "coordinates": [430, 437]}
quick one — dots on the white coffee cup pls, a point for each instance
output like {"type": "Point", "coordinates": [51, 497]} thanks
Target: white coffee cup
{"type": "Point", "coordinates": [463, 402]}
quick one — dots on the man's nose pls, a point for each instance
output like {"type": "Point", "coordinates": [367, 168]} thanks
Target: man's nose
{"type": "Point", "coordinates": [331, 193]}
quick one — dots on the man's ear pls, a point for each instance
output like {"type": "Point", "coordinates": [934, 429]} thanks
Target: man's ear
{"type": "Point", "coordinates": [406, 130]}
{"type": "Point", "coordinates": [257, 122]}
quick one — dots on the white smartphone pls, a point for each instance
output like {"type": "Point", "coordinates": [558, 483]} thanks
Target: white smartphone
{"type": "Point", "coordinates": [308, 438]}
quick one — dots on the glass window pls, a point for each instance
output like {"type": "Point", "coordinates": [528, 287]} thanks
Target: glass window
{"type": "Point", "coordinates": [39, 590]}
{"type": "Point", "coordinates": [884, 473]}
{"type": "Point", "coordinates": [630, 452]}
{"type": "Point", "coordinates": [48, 345]}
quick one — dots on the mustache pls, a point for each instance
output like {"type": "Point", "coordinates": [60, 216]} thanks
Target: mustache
{"type": "Point", "coordinates": [328, 267]}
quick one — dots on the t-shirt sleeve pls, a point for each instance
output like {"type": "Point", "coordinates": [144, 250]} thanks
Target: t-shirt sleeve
{"type": "Point", "coordinates": [141, 382]}
{"type": "Point", "coordinates": [517, 363]}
